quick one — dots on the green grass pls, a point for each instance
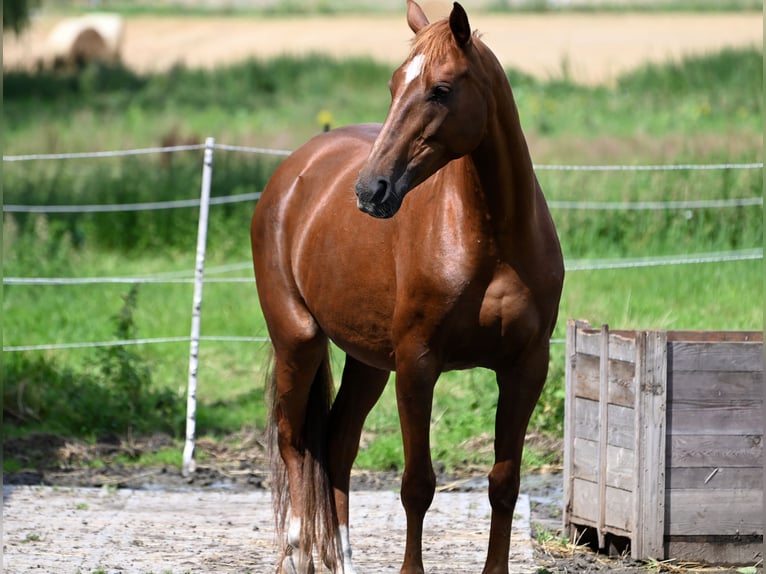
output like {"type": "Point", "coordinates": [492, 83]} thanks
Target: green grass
{"type": "Point", "coordinates": [706, 109]}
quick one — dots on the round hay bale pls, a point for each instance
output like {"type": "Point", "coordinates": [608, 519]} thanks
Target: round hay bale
{"type": "Point", "coordinates": [88, 46]}
{"type": "Point", "coordinates": [94, 37]}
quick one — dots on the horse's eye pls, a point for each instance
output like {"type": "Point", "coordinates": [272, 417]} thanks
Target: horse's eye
{"type": "Point", "coordinates": [439, 93]}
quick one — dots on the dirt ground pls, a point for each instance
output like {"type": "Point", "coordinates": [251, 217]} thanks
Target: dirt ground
{"type": "Point", "coordinates": [219, 532]}
{"type": "Point", "coordinates": [63, 513]}
{"type": "Point", "coordinates": [589, 48]}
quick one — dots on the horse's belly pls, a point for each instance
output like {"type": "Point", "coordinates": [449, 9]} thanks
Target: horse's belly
{"type": "Point", "coordinates": [361, 330]}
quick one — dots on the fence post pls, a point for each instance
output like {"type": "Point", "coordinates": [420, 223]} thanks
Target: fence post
{"type": "Point", "coordinates": [199, 271]}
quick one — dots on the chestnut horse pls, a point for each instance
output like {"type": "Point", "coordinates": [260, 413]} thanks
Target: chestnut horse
{"type": "Point", "coordinates": [459, 266]}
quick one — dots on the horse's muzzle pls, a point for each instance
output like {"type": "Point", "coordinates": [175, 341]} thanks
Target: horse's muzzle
{"type": "Point", "coordinates": [377, 197]}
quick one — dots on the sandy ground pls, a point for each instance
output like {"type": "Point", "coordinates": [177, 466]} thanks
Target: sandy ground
{"type": "Point", "coordinates": [205, 531]}
{"type": "Point", "coordinates": [593, 48]}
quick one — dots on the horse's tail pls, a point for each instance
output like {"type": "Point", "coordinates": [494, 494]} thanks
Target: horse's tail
{"type": "Point", "coordinates": [319, 522]}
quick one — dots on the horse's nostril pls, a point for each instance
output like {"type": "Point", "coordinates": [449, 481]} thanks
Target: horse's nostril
{"type": "Point", "coordinates": [381, 191]}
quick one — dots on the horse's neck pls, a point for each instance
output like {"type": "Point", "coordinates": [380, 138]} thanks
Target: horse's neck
{"type": "Point", "coordinates": [505, 168]}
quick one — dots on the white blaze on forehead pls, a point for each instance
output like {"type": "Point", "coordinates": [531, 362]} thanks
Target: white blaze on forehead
{"type": "Point", "coordinates": [414, 68]}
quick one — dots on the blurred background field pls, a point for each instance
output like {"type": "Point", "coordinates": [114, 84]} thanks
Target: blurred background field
{"type": "Point", "coordinates": [700, 107]}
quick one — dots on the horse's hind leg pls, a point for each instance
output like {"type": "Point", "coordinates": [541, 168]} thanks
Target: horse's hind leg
{"type": "Point", "coordinates": [295, 371]}
{"type": "Point", "coordinates": [361, 387]}
{"type": "Point", "coordinates": [519, 390]}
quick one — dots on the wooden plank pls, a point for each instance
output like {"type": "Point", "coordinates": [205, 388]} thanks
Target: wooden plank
{"type": "Point", "coordinates": [618, 429]}
{"type": "Point", "coordinates": [603, 421]}
{"type": "Point", "coordinates": [585, 501]}
{"type": "Point", "coordinates": [745, 417]}
{"type": "Point", "coordinates": [717, 356]}
{"type": "Point", "coordinates": [717, 387]}
{"type": "Point", "coordinates": [622, 383]}
{"type": "Point", "coordinates": [715, 512]}
{"type": "Point", "coordinates": [650, 439]}
{"type": "Point", "coordinates": [584, 458]}
{"type": "Point", "coordinates": [621, 376]}
{"type": "Point", "coordinates": [715, 549]}
{"type": "Point", "coordinates": [619, 509]}
{"type": "Point", "coordinates": [620, 348]}
{"type": "Point", "coordinates": [714, 478]}
{"type": "Point", "coordinates": [714, 451]}
{"type": "Point", "coordinates": [586, 419]}
{"type": "Point", "coordinates": [619, 464]}
{"type": "Point", "coordinates": [585, 376]}
{"type": "Point", "coordinates": [585, 508]}
{"type": "Point", "coordinates": [588, 343]}
{"type": "Point", "coordinates": [715, 336]}
{"type": "Point", "coordinates": [569, 425]}
{"type": "Point", "coordinates": [621, 429]}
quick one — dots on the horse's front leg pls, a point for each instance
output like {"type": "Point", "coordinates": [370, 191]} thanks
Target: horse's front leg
{"type": "Point", "coordinates": [416, 375]}
{"type": "Point", "coordinates": [361, 387]}
{"type": "Point", "coordinates": [519, 390]}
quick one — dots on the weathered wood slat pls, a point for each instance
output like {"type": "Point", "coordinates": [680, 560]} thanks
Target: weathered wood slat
{"type": "Point", "coordinates": [619, 429]}
{"type": "Point", "coordinates": [586, 506]}
{"type": "Point", "coordinates": [713, 478]}
{"type": "Point", "coordinates": [585, 415]}
{"type": "Point", "coordinates": [718, 387]}
{"type": "Point", "coordinates": [621, 380]}
{"type": "Point", "coordinates": [703, 451]}
{"type": "Point", "coordinates": [604, 424]}
{"type": "Point", "coordinates": [719, 512]}
{"type": "Point", "coordinates": [585, 503]}
{"type": "Point", "coordinates": [728, 356]}
{"type": "Point", "coordinates": [649, 424]}
{"type": "Point", "coordinates": [619, 509]}
{"type": "Point", "coordinates": [716, 336]}
{"type": "Point", "coordinates": [699, 417]}
{"type": "Point", "coordinates": [619, 464]}
{"type": "Point", "coordinates": [715, 549]}
{"type": "Point", "coordinates": [569, 426]}
{"type": "Point", "coordinates": [620, 348]}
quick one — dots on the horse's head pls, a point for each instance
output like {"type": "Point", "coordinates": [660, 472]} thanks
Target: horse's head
{"type": "Point", "coordinates": [439, 108]}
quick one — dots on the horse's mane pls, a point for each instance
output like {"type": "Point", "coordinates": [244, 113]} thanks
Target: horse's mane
{"type": "Point", "coordinates": [436, 40]}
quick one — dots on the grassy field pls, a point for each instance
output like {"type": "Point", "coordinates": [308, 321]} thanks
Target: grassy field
{"type": "Point", "coordinates": [703, 110]}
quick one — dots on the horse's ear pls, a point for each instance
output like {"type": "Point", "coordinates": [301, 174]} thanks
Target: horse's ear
{"type": "Point", "coordinates": [458, 23]}
{"type": "Point", "coordinates": [416, 18]}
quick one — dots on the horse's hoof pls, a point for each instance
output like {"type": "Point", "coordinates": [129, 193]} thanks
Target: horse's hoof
{"type": "Point", "coordinates": [287, 566]}
{"type": "Point", "coordinates": [290, 565]}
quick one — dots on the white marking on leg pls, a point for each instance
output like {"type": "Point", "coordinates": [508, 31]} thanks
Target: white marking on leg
{"type": "Point", "coordinates": [345, 544]}
{"type": "Point", "coordinates": [414, 68]}
{"type": "Point", "coordinates": [294, 532]}
{"type": "Point", "coordinates": [296, 557]}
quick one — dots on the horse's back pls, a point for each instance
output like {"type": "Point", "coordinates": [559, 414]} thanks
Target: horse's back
{"type": "Point", "coordinates": [328, 155]}
{"type": "Point", "coordinates": [322, 165]}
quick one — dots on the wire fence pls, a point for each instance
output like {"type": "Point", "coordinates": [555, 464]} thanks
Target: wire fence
{"type": "Point", "coordinates": [198, 280]}
{"type": "Point", "coordinates": [187, 277]}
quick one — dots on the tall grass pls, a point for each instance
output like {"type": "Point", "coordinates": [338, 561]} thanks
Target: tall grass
{"type": "Point", "coordinates": [702, 110]}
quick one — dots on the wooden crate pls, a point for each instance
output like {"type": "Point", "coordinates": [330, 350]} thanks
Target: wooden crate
{"type": "Point", "coordinates": [663, 441]}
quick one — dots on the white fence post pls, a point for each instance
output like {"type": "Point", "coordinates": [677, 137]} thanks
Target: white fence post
{"type": "Point", "coordinates": [189, 464]}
